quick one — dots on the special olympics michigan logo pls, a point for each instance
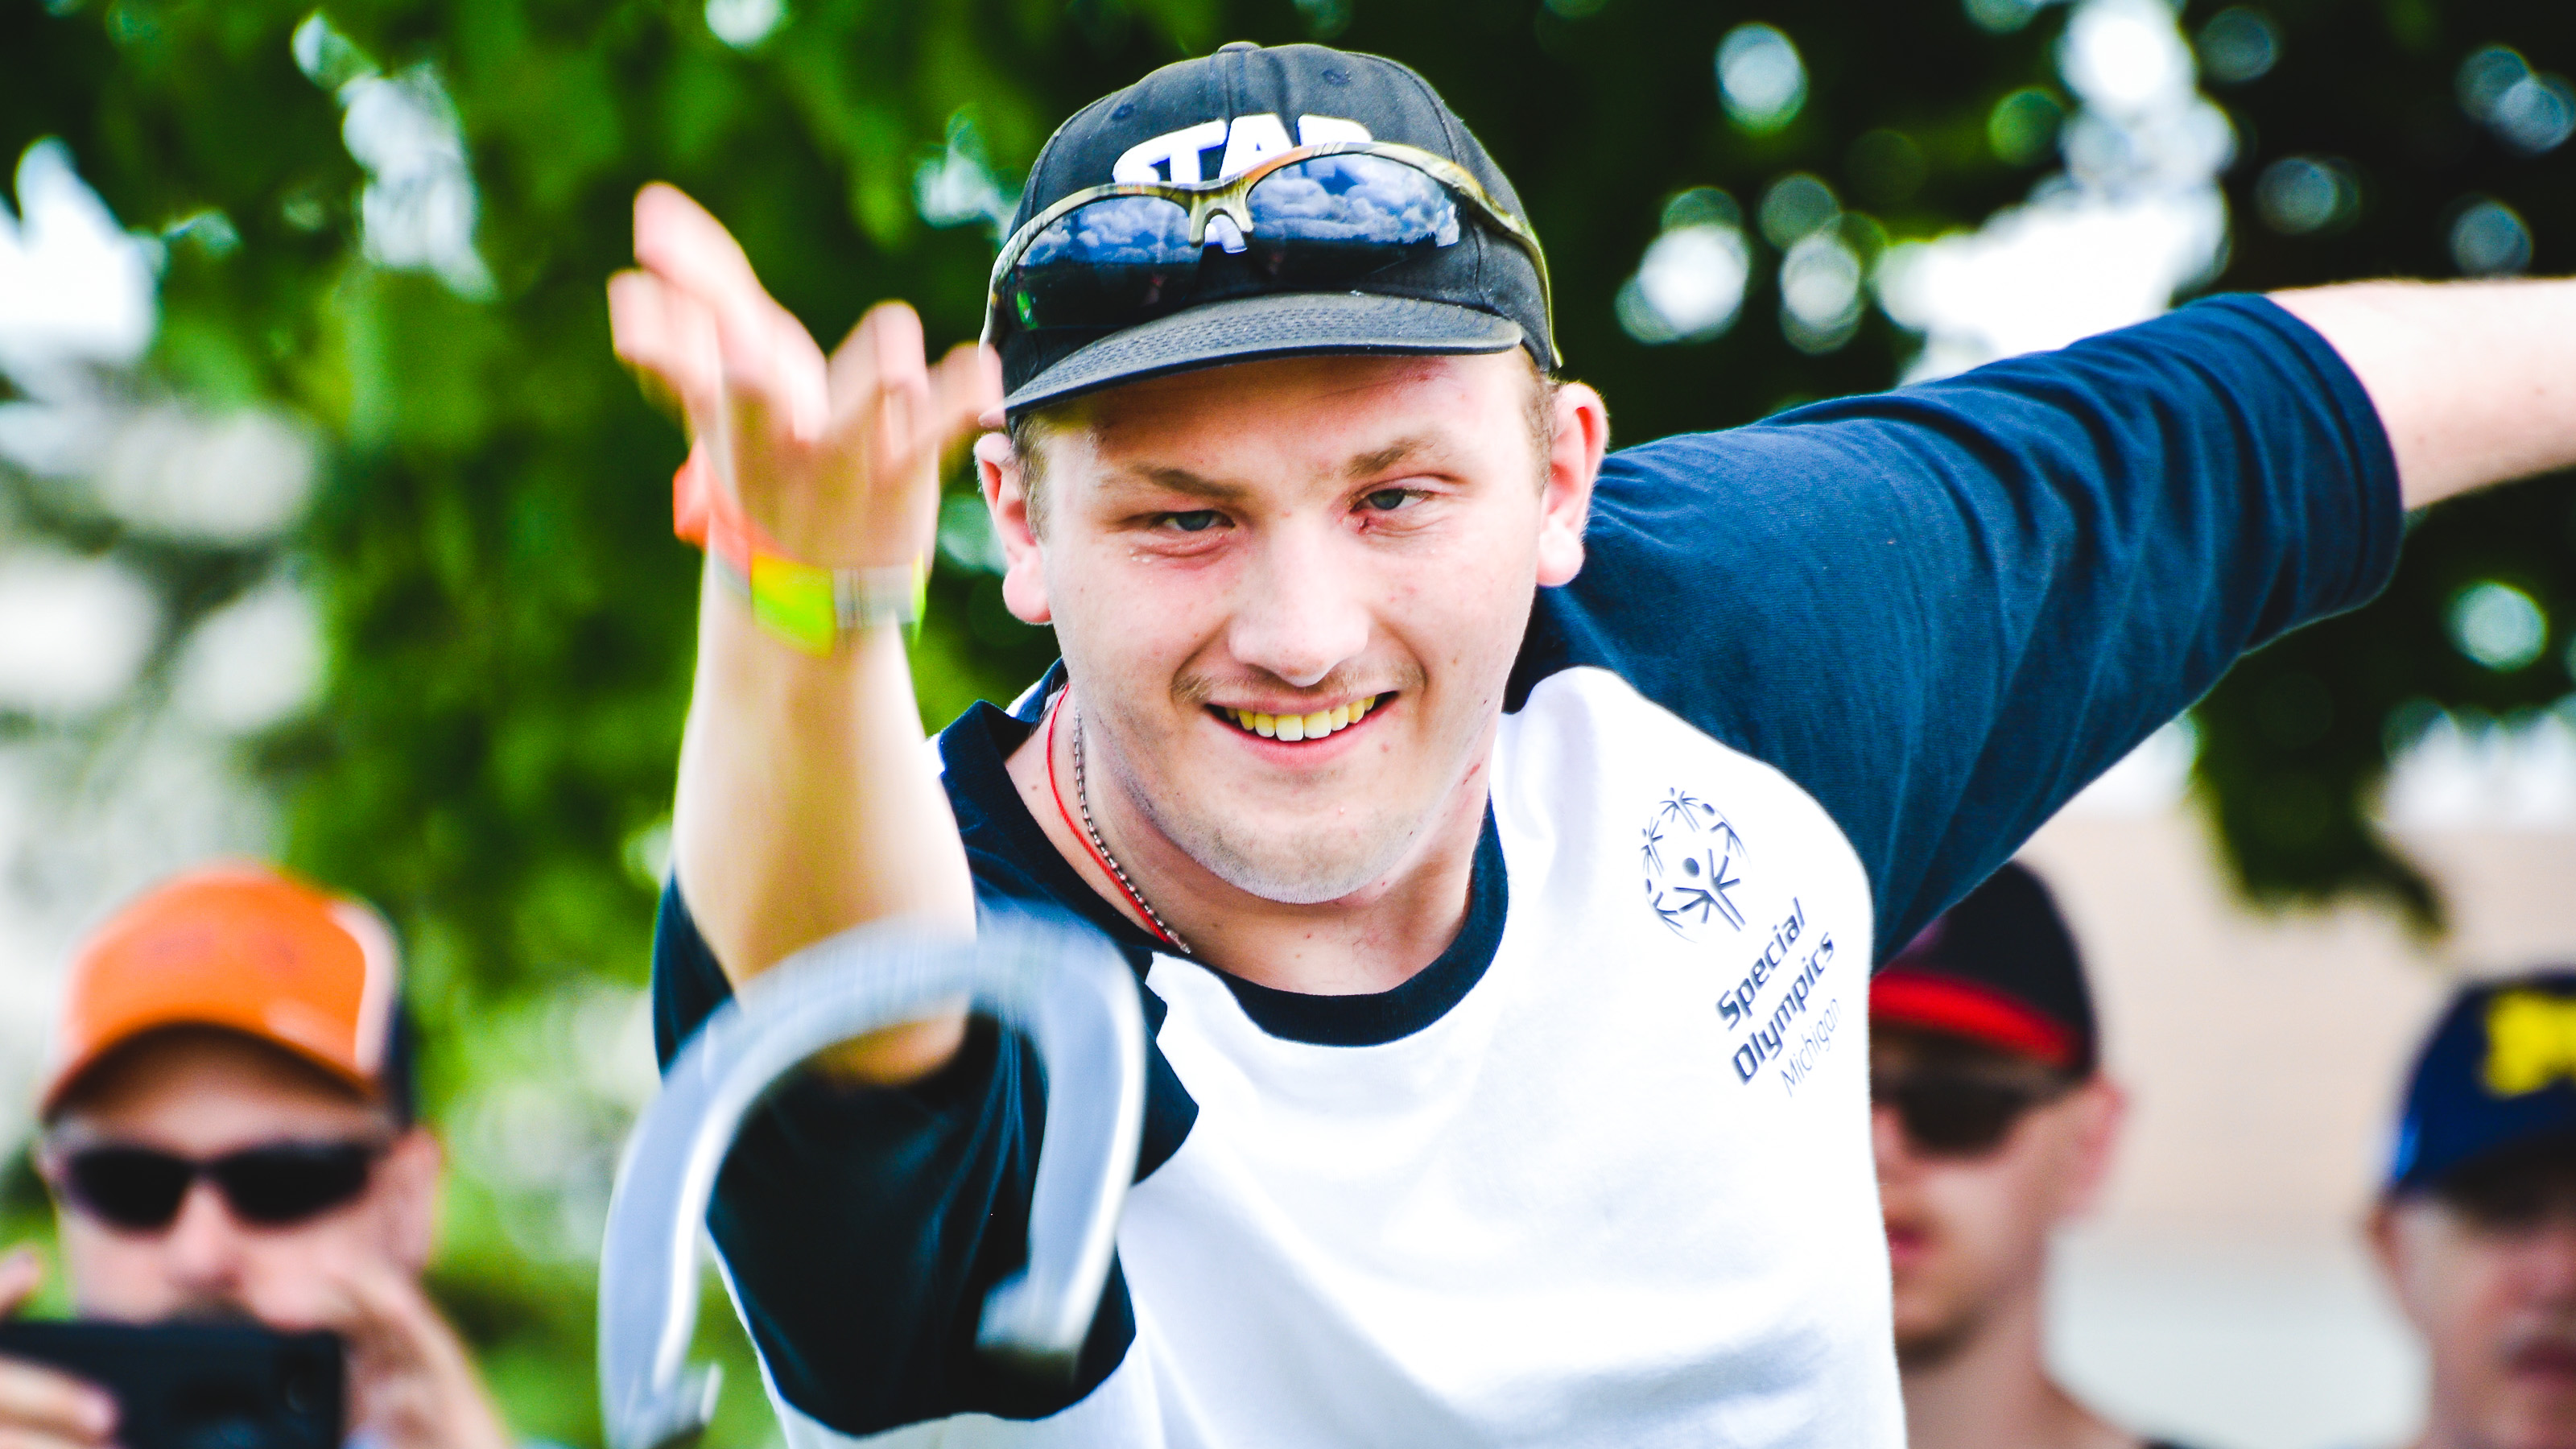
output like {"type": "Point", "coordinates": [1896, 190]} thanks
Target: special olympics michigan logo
{"type": "Point", "coordinates": [1694, 861]}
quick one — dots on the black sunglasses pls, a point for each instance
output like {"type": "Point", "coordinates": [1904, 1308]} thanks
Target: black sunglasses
{"type": "Point", "coordinates": [273, 1185]}
{"type": "Point", "coordinates": [1313, 218]}
{"type": "Point", "coordinates": [1949, 1112]}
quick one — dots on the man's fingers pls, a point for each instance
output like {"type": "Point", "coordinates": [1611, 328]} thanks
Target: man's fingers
{"type": "Point", "coordinates": [667, 339]}
{"type": "Point", "coordinates": [40, 1404]}
{"type": "Point", "coordinates": [425, 1393]}
{"type": "Point", "coordinates": [892, 332]}
{"type": "Point", "coordinates": [772, 371]}
{"type": "Point", "coordinates": [17, 1438]}
{"type": "Point", "coordinates": [965, 389]}
{"type": "Point", "coordinates": [881, 387]}
{"type": "Point", "coordinates": [683, 241]}
{"type": "Point", "coordinates": [884, 350]}
{"type": "Point", "coordinates": [21, 1273]}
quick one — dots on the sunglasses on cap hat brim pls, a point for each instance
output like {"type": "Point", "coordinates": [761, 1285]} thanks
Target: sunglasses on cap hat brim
{"type": "Point", "coordinates": [1312, 218]}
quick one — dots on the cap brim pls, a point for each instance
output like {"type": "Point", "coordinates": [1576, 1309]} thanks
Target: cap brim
{"type": "Point", "coordinates": [1970, 1010]}
{"type": "Point", "coordinates": [2551, 1141]}
{"type": "Point", "coordinates": [246, 1022]}
{"type": "Point", "coordinates": [1243, 329]}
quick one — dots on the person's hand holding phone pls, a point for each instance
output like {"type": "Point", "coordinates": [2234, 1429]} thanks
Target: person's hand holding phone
{"type": "Point", "coordinates": [412, 1385]}
{"type": "Point", "coordinates": [39, 1408]}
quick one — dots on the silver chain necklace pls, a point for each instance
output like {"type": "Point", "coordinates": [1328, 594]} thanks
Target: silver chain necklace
{"type": "Point", "coordinates": [1082, 797]}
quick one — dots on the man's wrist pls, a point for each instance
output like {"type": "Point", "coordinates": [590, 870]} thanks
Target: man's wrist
{"type": "Point", "coordinates": [814, 609]}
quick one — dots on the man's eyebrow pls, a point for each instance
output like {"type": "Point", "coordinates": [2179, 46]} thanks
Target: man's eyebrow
{"type": "Point", "coordinates": [1178, 480]}
{"type": "Point", "coordinates": [1400, 451]}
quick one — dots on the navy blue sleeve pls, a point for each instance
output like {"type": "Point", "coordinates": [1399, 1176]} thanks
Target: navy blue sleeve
{"type": "Point", "coordinates": [863, 1228]}
{"type": "Point", "coordinates": [1944, 610]}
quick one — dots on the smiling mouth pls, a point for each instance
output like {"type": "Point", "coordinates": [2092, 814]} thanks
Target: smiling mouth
{"type": "Point", "coordinates": [1297, 727]}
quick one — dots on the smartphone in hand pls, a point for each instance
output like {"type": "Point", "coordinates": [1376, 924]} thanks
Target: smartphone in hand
{"type": "Point", "coordinates": [200, 1386]}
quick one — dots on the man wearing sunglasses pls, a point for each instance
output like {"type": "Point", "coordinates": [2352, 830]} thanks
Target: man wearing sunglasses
{"type": "Point", "coordinates": [2476, 1227]}
{"type": "Point", "coordinates": [1502, 831]}
{"type": "Point", "coordinates": [227, 1127]}
{"type": "Point", "coordinates": [1994, 1126]}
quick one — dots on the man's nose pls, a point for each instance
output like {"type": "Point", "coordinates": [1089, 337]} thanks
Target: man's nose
{"type": "Point", "coordinates": [1301, 614]}
{"type": "Point", "coordinates": [202, 1248]}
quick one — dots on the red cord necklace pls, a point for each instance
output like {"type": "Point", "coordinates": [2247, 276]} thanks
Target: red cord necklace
{"type": "Point", "coordinates": [1090, 836]}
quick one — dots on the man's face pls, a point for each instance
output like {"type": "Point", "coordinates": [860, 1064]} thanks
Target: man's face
{"type": "Point", "coordinates": [2486, 1269]}
{"type": "Point", "coordinates": [1968, 1231]}
{"type": "Point", "coordinates": [1300, 539]}
{"type": "Point", "coordinates": [200, 1095]}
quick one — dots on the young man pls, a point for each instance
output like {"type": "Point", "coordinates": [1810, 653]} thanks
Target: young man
{"type": "Point", "coordinates": [228, 1130]}
{"type": "Point", "coordinates": [2477, 1227]}
{"type": "Point", "coordinates": [1994, 1126]}
{"type": "Point", "coordinates": [1502, 833]}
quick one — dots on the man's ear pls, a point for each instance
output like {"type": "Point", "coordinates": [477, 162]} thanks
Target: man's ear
{"type": "Point", "coordinates": [1006, 496]}
{"type": "Point", "coordinates": [1582, 440]}
{"type": "Point", "coordinates": [2385, 1232]}
{"type": "Point", "coordinates": [2100, 1106]}
{"type": "Point", "coordinates": [407, 1186]}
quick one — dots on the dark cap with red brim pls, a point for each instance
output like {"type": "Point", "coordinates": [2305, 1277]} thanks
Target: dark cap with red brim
{"type": "Point", "coordinates": [1998, 969]}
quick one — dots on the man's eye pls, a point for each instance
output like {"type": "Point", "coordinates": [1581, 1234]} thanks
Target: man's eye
{"type": "Point", "coordinates": [1387, 500]}
{"type": "Point", "coordinates": [1197, 520]}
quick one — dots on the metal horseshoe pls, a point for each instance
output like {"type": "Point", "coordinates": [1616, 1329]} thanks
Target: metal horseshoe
{"type": "Point", "coordinates": [1068, 990]}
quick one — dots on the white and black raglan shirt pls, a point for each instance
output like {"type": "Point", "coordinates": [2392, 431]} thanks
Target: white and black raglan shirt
{"type": "Point", "coordinates": [1601, 1173]}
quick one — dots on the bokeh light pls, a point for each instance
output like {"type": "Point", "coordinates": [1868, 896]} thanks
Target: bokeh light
{"type": "Point", "coordinates": [2300, 195]}
{"type": "Point", "coordinates": [743, 24]}
{"type": "Point", "coordinates": [2124, 55]}
{"type": "Point", "coordinates": [2498, 625]}
{"type": "Point", "coordinates": [1690, 285]}
{"type": "Point", "coordinates": [2239, 44]}
{"type": "Point", "coordinates": [74, 632]}
{"type": "Point", "coordinates": [2001, 17]}
{"type": "Point", "coordinates": [1886, 167]}
{"type": "Point", "coordinates": [252, 663]}
{"type": "Point", "coordinates": [1820, 292]}
{"type": "Point", "coordinates": [75, 290]}
{"type": "Point", "coordinates": [2489, 239]}
{"type": "Point", "coordinates": [2022, 128]}
{"type": "Point", "coordinates": [1796, 205]}
{"type": "Point", "coordinates": [2529, 111]}
{"type": "Point", "coordinates": [1760, 78]}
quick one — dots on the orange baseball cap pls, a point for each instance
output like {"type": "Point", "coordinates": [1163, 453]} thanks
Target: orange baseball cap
{"type": "Point", "coordinates": [240, 946]}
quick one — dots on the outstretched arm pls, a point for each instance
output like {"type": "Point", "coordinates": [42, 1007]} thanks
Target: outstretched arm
{"type": "Point", "coordinates": [2475, 382]}
{"type": "Point", "coordinates": [805, 803]}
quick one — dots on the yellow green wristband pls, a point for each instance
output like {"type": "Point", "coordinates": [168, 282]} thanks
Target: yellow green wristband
{"type": "Point", "coordinates": [812, 608]}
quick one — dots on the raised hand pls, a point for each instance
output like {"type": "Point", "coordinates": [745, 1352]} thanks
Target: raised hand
{"type": "Point", "coordinates": [837, 458]}
{"type": "Point", "coordinates": [804, 807]}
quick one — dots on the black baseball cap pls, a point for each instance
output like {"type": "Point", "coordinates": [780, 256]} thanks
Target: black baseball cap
{"type": "Point", "coordinates": [1211, 117]}
{"type": "Point", "coordinates": [1999, 969]}
{"type": "Point", "coordinates": [2497, 1076]}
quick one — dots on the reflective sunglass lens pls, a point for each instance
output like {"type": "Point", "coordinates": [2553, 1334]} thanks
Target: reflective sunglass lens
{"type": "Point", "coordinates": [1358, 210]}
{"type": "Point", "coordinates": [273, 1186]}
{"type": "Point", "coordinates": [1105, 263]}
{"type": "Point", "coordinates": [130, 1187]}
{"type": "Point", "coordinates": [1319, 223]}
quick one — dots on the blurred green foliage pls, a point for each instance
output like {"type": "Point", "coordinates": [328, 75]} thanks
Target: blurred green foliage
{"type": "Point", "coordinates": [511, 621]}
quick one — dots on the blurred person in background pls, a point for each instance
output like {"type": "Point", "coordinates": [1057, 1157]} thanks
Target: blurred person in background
{"type": "Point", "coordinates": [227, 1128]}
{"type": "Point", "coordinates": [2476, 1229]}
{"type": "Point", "coordinates": [1994, 1127]}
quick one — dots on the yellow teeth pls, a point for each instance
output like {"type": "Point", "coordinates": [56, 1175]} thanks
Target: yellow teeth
{"type": "Point", "coordinates": [1303, 726]}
